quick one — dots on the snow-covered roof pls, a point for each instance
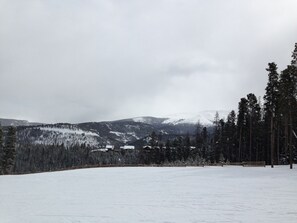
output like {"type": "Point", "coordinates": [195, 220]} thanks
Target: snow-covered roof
{"type": "Point", "coordinates": [127, 147]}
{"type": "Point", "coordinates": [109, 147]}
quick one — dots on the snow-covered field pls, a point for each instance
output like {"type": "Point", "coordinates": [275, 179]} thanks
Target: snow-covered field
{"type": "Point", "coordinates": [151, 194]}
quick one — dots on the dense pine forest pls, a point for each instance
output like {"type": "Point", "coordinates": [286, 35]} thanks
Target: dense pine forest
{"type": "Point", "coordinates": [258, 131]}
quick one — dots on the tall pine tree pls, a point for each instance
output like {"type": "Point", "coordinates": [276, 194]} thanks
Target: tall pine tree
{"type": "Point", "coordinates": [294, 56]}
{"type": "Point", "coordinates": [242, 128]}
{"type": "Point", "coordinates": [271, 99]}
{"type": "Point", "coordinates": [231, 136]}
{"type": "Point", "coordinates": [253, 122]}
{"type": "Point", "coordinates": [288, 105]}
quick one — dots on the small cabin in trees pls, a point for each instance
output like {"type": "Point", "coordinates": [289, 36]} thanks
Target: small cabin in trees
{"type": "Point", "coordinates": [147, 147]}
{"type": "Point", "coordinates": [127, 147]}
{"type": "Point", "coordinates": [109, 147]}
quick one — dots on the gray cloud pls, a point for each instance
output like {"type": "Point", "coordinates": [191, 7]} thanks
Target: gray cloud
{"type": "Point", "coordinates": [100, 60]}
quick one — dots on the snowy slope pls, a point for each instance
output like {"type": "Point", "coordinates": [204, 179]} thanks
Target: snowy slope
{"type": "Point", "coordinates": [204, 117]}
{"type": "Point", "coordinates": [156, 195]}
{"type": "Point", "coordinates": [68, 135]}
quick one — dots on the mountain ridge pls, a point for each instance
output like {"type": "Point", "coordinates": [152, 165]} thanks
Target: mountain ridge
{"type": "Point", "coordinates": [118, 132]}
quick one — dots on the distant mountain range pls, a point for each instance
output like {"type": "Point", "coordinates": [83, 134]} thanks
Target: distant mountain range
{"type": "Point", "coordinates": [16, 122]}
{"type": "Point", "coordinates": [120, 132]}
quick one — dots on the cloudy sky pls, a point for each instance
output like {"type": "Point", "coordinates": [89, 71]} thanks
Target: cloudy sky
{"type": "Point", "coordinates": [93, 60]}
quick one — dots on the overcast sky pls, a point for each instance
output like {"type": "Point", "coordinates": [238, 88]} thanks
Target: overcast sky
{"type": "Point", "coordinates": [93, 60]}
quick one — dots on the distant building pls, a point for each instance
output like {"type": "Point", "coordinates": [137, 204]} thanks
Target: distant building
{"type": "Point", "coordinates": [109, 147]}
{"type": "Point", "coordinates": [147, 147]}
{"type": "Point", "coordinates": [99, 150]}
{"type": "Point", "coordinates": [127, 147]}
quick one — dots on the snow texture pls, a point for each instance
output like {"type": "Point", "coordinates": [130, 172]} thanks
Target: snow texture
{"type": "Point", "coordinates": [67, 136]}
{"type": "Point", "coordinates": [68, 131]}
{"type": "Point", "coordinates": [151, 194]}
{"type": "Point", "coordinates": [125, 137]}
{"type": "Point", "coordinates": [204, 117]}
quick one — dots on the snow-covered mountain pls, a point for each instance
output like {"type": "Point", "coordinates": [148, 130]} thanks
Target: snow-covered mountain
{"type": "Point", "coordinates": [204, 117]}
{"type": "Point", "coordinates": [95, 134]}
{"type": "Point", "coordinates": [16, 122]}
{"type": "Point", "coordinates": [127, 131]}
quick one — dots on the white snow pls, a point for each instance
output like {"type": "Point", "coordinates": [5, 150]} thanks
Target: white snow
{"type": "Point", "coordinates": [67, 136]}
{"type": "Point", "coordinates": [204, 117]}
{"type": "Point", "coordinates": [141, 119]}
{"type": "Point", "coordinates": [99, 150]}
{"type": "Point", "coordinates": [125, 137]}
{"type": "Point", "coordinates": [151, 194]}
{"type": "Point", "coordinates": [127, 147]}
{"type": "Point", "coordinates": [68, 131]}
{"type": "Point", "coordinates": [120, 134]}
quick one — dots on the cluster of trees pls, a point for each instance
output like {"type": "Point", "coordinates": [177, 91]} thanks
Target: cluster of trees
{"type": "Point", "coordinates": [263, 132]}
{"type": "Point", "coordinates": [258, 132]}
{"type": "Point", "coordinates": [7, 150]}
{"type": "Point", "coordinates": [178, 151]}
{"type": "Point", "coordinates": [40, 158]}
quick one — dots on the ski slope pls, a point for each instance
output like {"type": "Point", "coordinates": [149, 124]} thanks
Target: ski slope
{"type": "Point", "coordinates": [151, 194]}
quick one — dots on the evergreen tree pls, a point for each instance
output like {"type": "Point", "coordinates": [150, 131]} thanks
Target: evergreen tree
{"type": "Point", "coordinates": [186, 147]}
{"type": "Point", "coordinates": [294, 56]}
{"type": "Point", "coordinates": [288, 105]}
{"type": "Point", "coordinates": [198, 138]}
{"type": "Point", "coordinates": [217, 136]}
{"type": "Point", "coordinates": [9, 151]}
{"type": "Point", "coordinates": [168, 151]}
{"type": "Point", "coordinates": [271, 99]}
{"type": "Point", "coordinates": [230, 132]}
{"type": "Point", "coordinates": [242, 127]}
{"type": "Point", "coordinates": [204, 142]}
{"type": "Point", "coordinates": [153, 140]}
{"type": "Point", "coordinates": [253, 123]}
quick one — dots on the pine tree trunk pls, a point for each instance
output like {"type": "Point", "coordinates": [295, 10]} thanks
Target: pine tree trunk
{"type": "Point", "coordinates": [277, 148]}
{"type": "Point", "coordinates": [272, 141]}
{"type": "Point", "coordinates": [257, 151]}
{"type": "Point", "coordinates": [267, 151]}
{"type": "Point", "coordinates": [240, 139]}
{"type": "Point", "coordinates": [250, 138]}
{"type": "Point", "coordinates": [286, 134]}
{"type": "Point", "coordinates": [290, 145]}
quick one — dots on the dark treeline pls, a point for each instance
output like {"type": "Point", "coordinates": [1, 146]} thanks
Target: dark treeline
{"type": "Point", "coordinates": [40, 158]}
{"type": "Point", "coordinates": [7, 150]}
{"type": "Point", "coordinates": [263, 132]}
{"type": "Point", "coordinates": [256, 132]}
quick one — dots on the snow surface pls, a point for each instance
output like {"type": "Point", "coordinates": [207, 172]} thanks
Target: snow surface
{"type": "Point", "coordinates": [204, 117]}
{"type": "Point", "coordinates": [67, 136]}
{"type": "Point", "coordinates": [125, 137]}
{"type": "Point", "coordinates": [68, 131]}
{"type": "Point", "coordinates": [151, 194]}
{"type": "Point", "coordinates": [142, 120]}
